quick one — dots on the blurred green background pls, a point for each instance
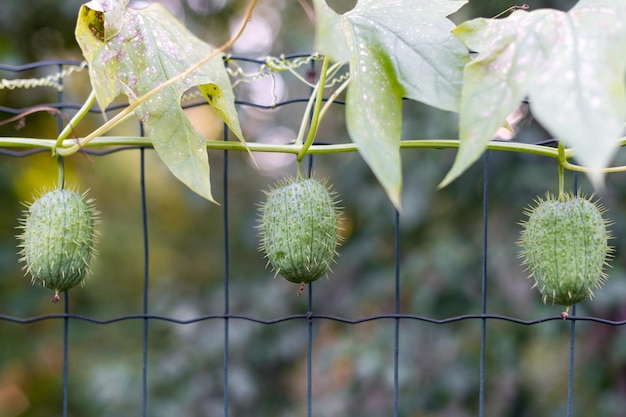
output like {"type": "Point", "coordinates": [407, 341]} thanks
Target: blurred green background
{"type": "Point", "coordinates": [440, 255]}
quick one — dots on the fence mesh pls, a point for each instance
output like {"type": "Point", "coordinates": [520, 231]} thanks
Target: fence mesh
{"type": "Point", "coordinates": [295, 383]}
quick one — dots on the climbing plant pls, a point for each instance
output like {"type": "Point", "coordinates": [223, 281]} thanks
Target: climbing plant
{"type": "Point", "coordinates": [569, 66]}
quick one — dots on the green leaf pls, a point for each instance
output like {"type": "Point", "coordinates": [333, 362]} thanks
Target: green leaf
{"type": "Point", "coordinates": [142, 49]}
{"type": "Point", "coordinates": [570, 65]}
{"type": "Point", "coordinates": [396, 49]}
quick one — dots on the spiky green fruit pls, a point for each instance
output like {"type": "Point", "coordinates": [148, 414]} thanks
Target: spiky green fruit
{"type": "Point", "coordinates": [57, 239]}
{"type": "Point", "coordinates": [565, 247]}
{"type": "Point", "coordinates": [299, 229]}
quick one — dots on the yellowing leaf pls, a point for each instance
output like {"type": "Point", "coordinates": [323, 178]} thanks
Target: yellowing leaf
{"type": "Point", "coordinates": [131, 52]}
{"type": "Point", "coordinates": [106, 29]}
{"type": "Point", "coordinates": [396, 49]}
{"type": "Point", "coordinates": [570, 65]}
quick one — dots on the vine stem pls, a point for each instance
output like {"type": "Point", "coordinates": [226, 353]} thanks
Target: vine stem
{"type": "Point", "coordinates": [565, 164]}
{"type": "Point", "coordinates": [333, 97]}
{"type": "Point", "coordinates": [132, 106]}
{"type": "Point", "coordinates": [573, 167]}
{"type": "Point", "coordinates": [315, 118]}
{"type": "Point", "coordinates": [69, 128]}
{"type": "Point", "coordinates": [61, 172]}
{"type": "Point", "coordinates": [305, 120]}
{"type": "Point", "coordinates": [312, 100]}
{"type": "Point", "coordinates": [111, 141]}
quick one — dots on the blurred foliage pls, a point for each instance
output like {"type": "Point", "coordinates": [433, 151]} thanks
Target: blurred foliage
{"type": "Point", "coordinates": [440, 265]}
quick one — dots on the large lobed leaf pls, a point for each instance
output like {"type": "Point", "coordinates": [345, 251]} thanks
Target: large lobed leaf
{"type": "Point", "coordinates": [570, 65]}
{"type": "Point", "coordinates": [395, 49]}
{"type": "Point", "coordinates": [132, 51]}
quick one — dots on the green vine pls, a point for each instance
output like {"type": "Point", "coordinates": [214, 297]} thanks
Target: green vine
{"type": "Point", "coordinates": [68, 143]}
{"type": "Point", "coordinates": [315, 118]}
{"type": "Point", "coordinates": [108, 141]}
{"type": "Point", "coordinates": [561, 158]}
{"type": "Point", "coordinates": [61, 172]}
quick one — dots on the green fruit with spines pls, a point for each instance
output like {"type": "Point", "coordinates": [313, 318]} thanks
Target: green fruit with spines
{"type": "Point", "coordinates": [565, 247]}
{"type": "Point", "coordinates": [299, 229]}
{"type": "Point", "coordinates": [57, 239]}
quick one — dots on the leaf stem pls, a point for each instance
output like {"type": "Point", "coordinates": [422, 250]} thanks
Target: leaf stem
{"type": "Point", "coordinates": [573, 167]}
{"type": "Point", "coordinates": [132, 106]}
{"type": "Point", "coordinates": [69, 127]}
{"type": "Point", "coordinates": [333, 97]}
{"type": "Point", "coordinates": [304, 124]}
{"type": "Point", "coordinates": [315, 119]}
{"type": "Point", "coordinates": [564, 163]}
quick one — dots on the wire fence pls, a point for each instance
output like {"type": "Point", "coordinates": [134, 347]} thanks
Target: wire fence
{"type": "Point", "coordinates": [309, 319]}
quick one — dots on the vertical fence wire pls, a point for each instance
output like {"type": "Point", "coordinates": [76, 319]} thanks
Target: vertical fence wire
{"type": "Point", "coordinates": [146, 276]}
{"type": "Point", "coordinates": [66, 302]}
{"type": "Point", "coordinates": [226, 273]}
{"type": "Point", "coordinates": [570, 378]}
{"type": "Point", "coordinates": [66, 332]}
{"type": "Point", "coordinates": [396, 310]}
{"type": "Point", "coordinates": [309, 349]}
{"type": "Point", "coordinates": [483, 322]}
{"type": "Point", "coordinates": [572, 341]}
{"type": "Point", "coordinates": [309, 355]}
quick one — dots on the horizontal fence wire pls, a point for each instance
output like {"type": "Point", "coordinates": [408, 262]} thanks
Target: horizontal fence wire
{"type": "Point", "coordinates": [311, 316]}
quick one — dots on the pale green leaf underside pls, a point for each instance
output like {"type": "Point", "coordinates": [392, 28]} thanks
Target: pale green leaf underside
{"type": "Point", "coordinates": [570, 65]}
{"type": "Point", "coordinates": [150, 48]}
{"type": "Point", "coordinates": [396, 49]}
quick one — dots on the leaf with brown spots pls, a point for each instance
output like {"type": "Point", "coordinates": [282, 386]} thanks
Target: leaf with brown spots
{"type": "Point", "coordinates": [131, 52]}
